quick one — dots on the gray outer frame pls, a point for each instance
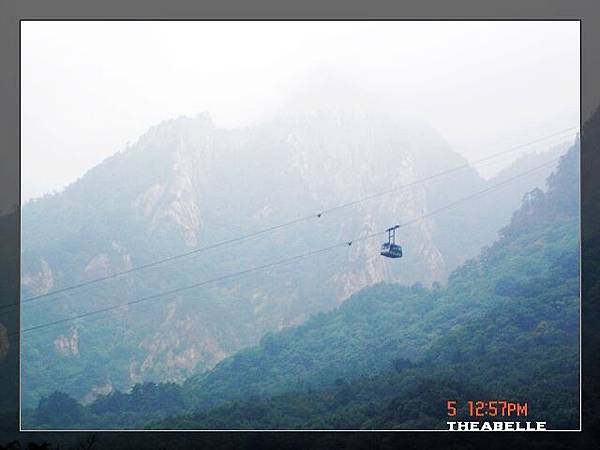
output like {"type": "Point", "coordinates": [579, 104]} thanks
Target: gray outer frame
{"type": "Point", "coordinates": [12, 11]}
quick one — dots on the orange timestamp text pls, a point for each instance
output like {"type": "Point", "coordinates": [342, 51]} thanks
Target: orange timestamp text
{"type": "Point", "coordinates": [490, 408]}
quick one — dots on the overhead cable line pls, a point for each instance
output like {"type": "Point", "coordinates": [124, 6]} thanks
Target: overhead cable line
{"type": "Point", "coordinates": [285, 260]}
{"type": "Point", "coordinates": [284, 224]}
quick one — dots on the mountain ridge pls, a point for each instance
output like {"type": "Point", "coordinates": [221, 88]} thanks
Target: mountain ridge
{"type": "Point", "coordinates": [187, 183]}
{"type": "Point", "coordinates": [391, 356]}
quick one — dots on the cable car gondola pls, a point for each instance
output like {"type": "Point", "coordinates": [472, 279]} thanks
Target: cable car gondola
{"type": "Point", "coordinates": [390, 249]}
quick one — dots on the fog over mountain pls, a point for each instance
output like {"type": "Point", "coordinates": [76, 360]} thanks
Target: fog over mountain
{"type": "Point", "coordinates": [186, 184]}
{"type": "Point", "coordinates": [483, 85]}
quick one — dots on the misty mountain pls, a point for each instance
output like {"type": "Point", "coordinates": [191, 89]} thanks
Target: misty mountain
{"type": "Point", "coordinates": [187, 184]}
{"type": "Point", "coordinates": [385, 326]}
{"type": "Point", "coordinates": [505, 326]}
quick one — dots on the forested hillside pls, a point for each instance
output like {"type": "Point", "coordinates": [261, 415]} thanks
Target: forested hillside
{"type": "Point", "coordinates": [506, 326]}
{"type": "Point", "coordinates": [188, 184]}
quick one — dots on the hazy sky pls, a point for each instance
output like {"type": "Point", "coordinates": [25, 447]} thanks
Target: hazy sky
{"type": "Point", "coordinates": [88, 88]}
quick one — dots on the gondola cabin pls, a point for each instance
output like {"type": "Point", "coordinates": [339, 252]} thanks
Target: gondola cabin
{"type": "Point", "coordinates": [390, 249]}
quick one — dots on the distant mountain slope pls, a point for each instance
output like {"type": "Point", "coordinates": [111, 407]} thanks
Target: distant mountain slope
{"type": "Point", "coordinates": [506, 326]}
{"type": "Point", "coordinates": [186, 184]}
{"type": "Point", "coordinates": [542, 237]}
{"type": "Point", "coordinates": [495, 208]}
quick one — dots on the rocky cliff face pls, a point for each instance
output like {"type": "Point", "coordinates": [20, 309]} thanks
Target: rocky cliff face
{"type": "Point", "coordinates": [186, 184]}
